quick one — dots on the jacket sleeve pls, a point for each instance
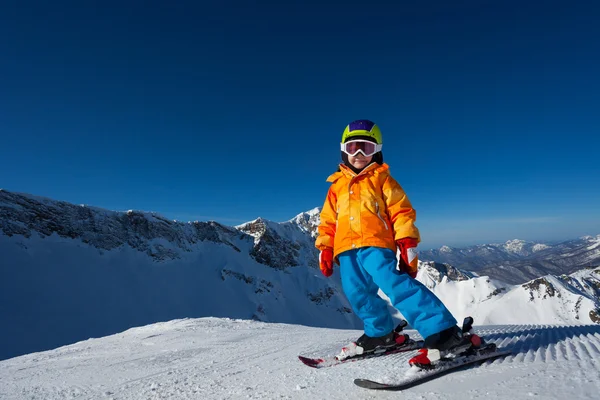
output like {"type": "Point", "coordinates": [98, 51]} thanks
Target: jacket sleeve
{"type": "Point", "coordinates": [400, 210]}
{"type": "Point", "coordinates": [328, 222]}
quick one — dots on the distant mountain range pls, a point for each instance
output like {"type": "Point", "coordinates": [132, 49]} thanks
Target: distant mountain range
{"type": "Point", "coordinates": [518, 261]}
{"type": "Point", "coordinates": [70, 272]}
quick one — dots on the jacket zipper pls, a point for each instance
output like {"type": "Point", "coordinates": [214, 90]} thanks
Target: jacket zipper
{"type": "Point", "coordinates": [379, 215]}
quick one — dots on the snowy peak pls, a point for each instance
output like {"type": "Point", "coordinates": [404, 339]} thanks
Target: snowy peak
{"type": "Point", "coordinates": [308, 221]}
{"type": "Point", "coordinates": [281, 245]}
{"type": "Point", "coordinates": [523, 248]}
{"type": "Point", "coordinates": [543, 288]}
{"type": "Point", "coordinates": [255, 228]}
{"type": "Point", "coordinates": [520, 247]}
{"type": "Point", "coordinates": [439, 272]}
{"type": "Point", "coordinates": [539, 247]}
{"type": "Point", "coordinates": [592, 239]}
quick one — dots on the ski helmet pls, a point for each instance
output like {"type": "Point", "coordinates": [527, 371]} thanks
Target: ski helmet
{"type": "Point", "coordinates": [364, 128]}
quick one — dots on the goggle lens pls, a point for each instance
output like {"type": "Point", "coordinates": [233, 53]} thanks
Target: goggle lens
{"type": "Point", "coordinates": [364, 146]}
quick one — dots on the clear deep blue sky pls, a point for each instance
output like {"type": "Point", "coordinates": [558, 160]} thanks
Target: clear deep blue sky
{"type": "Point", "coordinates": [227, 111]}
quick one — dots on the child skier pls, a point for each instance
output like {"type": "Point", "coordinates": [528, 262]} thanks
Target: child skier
{"type": "Point", "coordinates": [365, 218]}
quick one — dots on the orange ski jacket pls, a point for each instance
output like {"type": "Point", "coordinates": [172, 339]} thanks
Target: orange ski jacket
{"type": "Point", "coordinates": [368, 209]}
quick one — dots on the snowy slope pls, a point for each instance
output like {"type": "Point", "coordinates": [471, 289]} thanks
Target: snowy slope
{"type": "Point", "coordinates": [75, 272]}
{"type": "Point", "coordinates": [214, 358]}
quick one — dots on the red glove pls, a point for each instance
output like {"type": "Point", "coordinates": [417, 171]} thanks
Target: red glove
{"type": "Point", "coordinates": [409, 259]}
{"type": "Point", "coordinates": [326, 262]}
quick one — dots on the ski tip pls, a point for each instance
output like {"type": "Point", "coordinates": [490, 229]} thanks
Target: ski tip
{"type": "Point", "coordinates": [311, 362]}
{"type": "Point", "coordinates": [369, 384]}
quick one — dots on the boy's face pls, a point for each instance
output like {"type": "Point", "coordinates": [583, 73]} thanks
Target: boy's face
{"type": "Point", "coordinates": [359, 161]}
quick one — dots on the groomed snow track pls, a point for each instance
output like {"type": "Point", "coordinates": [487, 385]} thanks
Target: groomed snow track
{"type": "Point", "coordinates": [214, 358]}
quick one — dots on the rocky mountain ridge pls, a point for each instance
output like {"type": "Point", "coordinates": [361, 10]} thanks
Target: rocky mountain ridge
{"type": "Point", "coordinates": [563, 299]}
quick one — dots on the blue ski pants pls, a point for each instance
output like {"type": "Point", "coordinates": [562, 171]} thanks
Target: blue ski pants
{"type": "Point", "coordinates": [366, 270]}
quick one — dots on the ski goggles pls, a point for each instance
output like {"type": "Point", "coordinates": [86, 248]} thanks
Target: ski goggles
{"type": "Point", "coordinates": [353, 147]}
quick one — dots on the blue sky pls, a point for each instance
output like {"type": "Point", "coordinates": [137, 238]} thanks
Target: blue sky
{"type": "Point", "coordinates": [229, 110]}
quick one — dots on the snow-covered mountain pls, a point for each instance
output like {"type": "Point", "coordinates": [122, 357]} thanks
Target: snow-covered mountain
{"type": "Point", "coordinates": [75, 272]}
{"type": "Point", "coordinates": [518, 261]}
{"type": "Point", "coordinates": [213, 358]}
{"type": "Point", "coordinates": [565, 299]}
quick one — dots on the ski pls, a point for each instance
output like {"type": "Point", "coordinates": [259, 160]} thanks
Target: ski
{"type": "Point", "coordinates": [331, 361]}
{"type": "Point", "coordinates": [416, 376]}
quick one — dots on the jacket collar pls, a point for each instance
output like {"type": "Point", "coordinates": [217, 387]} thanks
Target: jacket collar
{"type": "Point", "coordinates": [347, 172]}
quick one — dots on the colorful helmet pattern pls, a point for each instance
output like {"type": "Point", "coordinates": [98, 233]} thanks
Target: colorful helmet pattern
{"type": "Point", "coordinates": [362, 127]}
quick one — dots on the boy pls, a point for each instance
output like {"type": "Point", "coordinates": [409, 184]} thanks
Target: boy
{"type": "Point", "coordinates": [365, 218]}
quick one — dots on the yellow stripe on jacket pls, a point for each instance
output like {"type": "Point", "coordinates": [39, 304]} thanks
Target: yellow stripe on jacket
{"type": "Point", "coordinates": [368, 209]}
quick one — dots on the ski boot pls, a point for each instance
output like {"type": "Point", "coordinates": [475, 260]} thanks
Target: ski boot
{"type": "Point", "coordinates": [447, 344]}
{"type": "Point", "coordinates": [367, 344]}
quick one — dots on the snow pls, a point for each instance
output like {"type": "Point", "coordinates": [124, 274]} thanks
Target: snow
{"type": "Point", "coordinates": [213, 358]}
{"type": "Point", "coordinates": [547, 300]}
{"type": "Point", "coordinates": [311, 213]}
{"type": "Point", "coordinates": [60, 289]}
{"type": "Point", "coordinates": [515, 246]}
{"type": "Point", "coordinates": [594, 243]}
{"type": "Point", "coordinates": [72, 291]}
{"type": "Point", "coordinates": [121, 288]}
{"type": "Point", "coordinates": [539, 247]}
